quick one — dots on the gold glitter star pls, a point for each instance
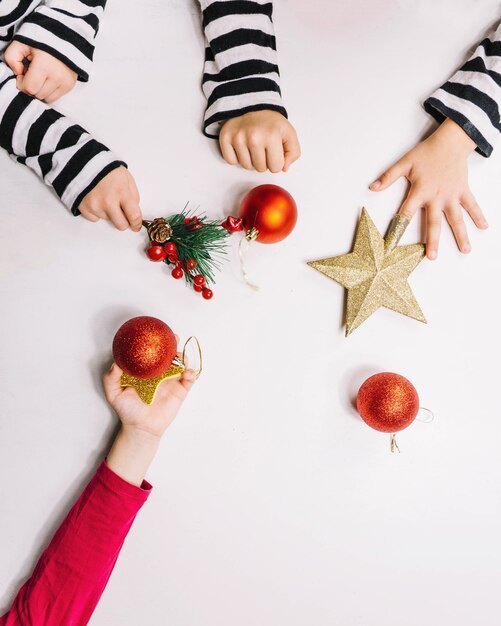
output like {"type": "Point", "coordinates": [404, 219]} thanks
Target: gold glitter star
{"type": "Point", "coordinates": [147, 387]}
{"type": "Point", "coordinates": [375, 272]}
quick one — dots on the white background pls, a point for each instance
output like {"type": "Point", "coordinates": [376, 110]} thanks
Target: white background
{"type": "Point", "coordinates": [274, 503]}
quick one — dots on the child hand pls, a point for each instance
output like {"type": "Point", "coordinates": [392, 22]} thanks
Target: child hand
{"type": "Point", "coordinates": [46, 78]}
{"type": "Point", "coordinates": [148, 419]}
{"type": "Point", "coordinates": [114, 198]}
{"type": "Point", "coordinates": [142, 424]}
{"type": "Point", "coordinates": [260, 140]}
{"type": "Point", "coordinates": [438, 173]}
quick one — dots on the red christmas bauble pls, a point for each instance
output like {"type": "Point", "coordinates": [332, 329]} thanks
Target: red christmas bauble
{"type": "Point", "coordinates": [170, 248]}
{"type": "Point", "coordinates": [156, 253]}
{"type": "Point", "coordinates": [388, 402]}
{"type": "Point", "coordinates": [199, 280]}
{"type": "Point", "coordinates": [207, 293]}
{"type": "Point", "coordinates": [177, 273]}
{"type": "Point", "coordinates": [271, 210]}
{"type": "Point", "coordinates": [144, 347]}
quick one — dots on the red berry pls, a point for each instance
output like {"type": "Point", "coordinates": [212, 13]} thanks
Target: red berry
{"type": "Point", "coordinates": [199, 280]}
{"type": "Point", "coordinates": [177, 273]}
{"type": "Point", "coordinates": [191, 264]}
{"type": "Point", "coordinates": [170, 248]}
{"type": "Point", "coordinates": [172, 258]}
{"type": "Point", "coordinates": [187, 220]}
{"type": "Point", "coordinates": [207, 293]}
{"type": "Point", "coordinates": [156, 253]}
{"type": "Point", "coordinates": [197, 288]}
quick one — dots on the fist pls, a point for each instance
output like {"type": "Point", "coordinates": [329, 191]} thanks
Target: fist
{"type": "Point", "coordinates": [261, 140]}
{"type": "Point", "coordinates": [38, 73]}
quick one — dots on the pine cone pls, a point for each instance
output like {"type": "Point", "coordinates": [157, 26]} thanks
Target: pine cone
{"type": "Point", "coordinates": [159, 230]}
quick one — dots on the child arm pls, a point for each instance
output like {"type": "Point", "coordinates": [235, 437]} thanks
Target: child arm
{"type": "Point", "coordinates": [73, 571]}
{"type": "Point", "coordinates": [241, 82]}
{"type": "Point", "coordinates": [468, 109]}
{"type": "Point", "coordinates": [472, 96]}
{"type": "Point", "coordinates": [66, 29]}
{"type": "Point", "coordinates": [63, 155]}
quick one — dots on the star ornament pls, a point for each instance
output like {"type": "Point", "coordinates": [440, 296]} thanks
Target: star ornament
{"type": "Point", "coordinates": [375, 272]}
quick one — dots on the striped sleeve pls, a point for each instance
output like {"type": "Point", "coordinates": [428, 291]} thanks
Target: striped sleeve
{"type": "Point", "coordinates": [60, 152]}
{"type": "Point", "coordinates": [66, 29]}
{"type": "Point", "coordinates": [472, 96]}
{"type": "Point", "coordinates": [240, 72]}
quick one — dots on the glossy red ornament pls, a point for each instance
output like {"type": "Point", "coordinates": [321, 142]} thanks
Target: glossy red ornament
{"type": "Point", "coordinates": [172, 258]}
{"type": "Point", "coordinates": [387, 402]}
{"type": "Point", "coordinates": [207, 293]}
{"type": "Point", "coordinates": [144, 347]}
{"type": "Point", "coordinates": [198, 288]}
{"type": "Point", "coordinates": [191, 264]}
{"type": "Point", "coordinates": [199, 280]}
{"type": "Point", "coordinates": [156, 253]}
{"type": "Point", "coordinates": [270, 210]}
{"type": "Point", "coordinates": [177, 273]}
{"type": "Point", "coordinates": [170, 247]}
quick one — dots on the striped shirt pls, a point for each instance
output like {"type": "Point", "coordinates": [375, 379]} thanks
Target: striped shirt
{"type": "Point", "coordinates": [240, 75]}
{"type": "Point", "coordinates": [62, 153]}
{"type": "Point", "coordinates": [241, 71]}
{"type": "Point", "coordinates": [472, 96]}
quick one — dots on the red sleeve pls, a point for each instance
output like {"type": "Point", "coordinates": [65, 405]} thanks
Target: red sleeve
{"type": "Point", "coordinates": [72, 572]}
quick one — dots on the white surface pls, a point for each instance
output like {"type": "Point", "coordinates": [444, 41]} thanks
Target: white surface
{"type": "Point", "coordinates": [273, 503]}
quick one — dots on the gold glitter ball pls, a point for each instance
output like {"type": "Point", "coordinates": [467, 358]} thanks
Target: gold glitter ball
{"type": "Point", "coordinates": [375, 272]}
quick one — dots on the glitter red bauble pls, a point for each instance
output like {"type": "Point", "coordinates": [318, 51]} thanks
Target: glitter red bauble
{"type": "Point", "coordinates": [271, 210]}
{"type": "Point", "coordinates": [387, 402]}
{"type": "Point", "coordinates": [144, 347]}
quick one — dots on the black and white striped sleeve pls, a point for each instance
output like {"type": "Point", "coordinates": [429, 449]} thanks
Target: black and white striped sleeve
{"type": "Point", "coordinates": [60, 152]}
{"type": "Point", "coordinates": [472, 96]}
{"type": "Point", "coordinates": [241, 71]}
{"type": "Point", "coordinates": [66, 29]}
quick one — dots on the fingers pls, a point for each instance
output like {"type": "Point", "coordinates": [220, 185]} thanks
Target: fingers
{"type": "Point", "coordinates": [243, 154]}
{"type": "Point", "coordinates": [275, 157]}
{"type": "Point", "coordinates": [291, 149]}
{"type": "Point", "coordinates": [474, 211]}
{"type": "Point", "coordinates": [229, 154]}
{"type": "Point", "coordinates": [48, 88]}
{"type": "Point", "coordinates": [258, 157]}
{"type": "Point", "coordinates": [14, 56]}
{"type": "Point", "coordinates": [32, 82]}
{"type": "Point", "coordinates": [433, 226]}
{"type": "Point", "coordinates": [132, 212]}
{"type": "Point", "coordinates": [89, 215]}
{"type": "Point", "coordinates": [392, 174]}
{"type": "Point", "coordinates": [111, 383]}
{"type": "Point", "coordinates": [188, 380]}
{"type": "Point", "coordinates": [454, 216]}
{"type": "Point", "coordinates": [412, 203]}
{"type": "Point", "coordinates": [117, 217]}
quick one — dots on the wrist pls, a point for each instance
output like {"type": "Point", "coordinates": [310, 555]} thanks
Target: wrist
{"type": "Point", "coordinates": [132, 453]}
{"type": "Point", "coordinates": [456, 137]}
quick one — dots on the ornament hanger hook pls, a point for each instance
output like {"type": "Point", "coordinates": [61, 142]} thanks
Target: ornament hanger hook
{"type": "Point", "coordinates": [393, 444]}
{"type": "Point", "coordinates": [242, 253]}
{"type": "Point", "coordinates": [429, 418]}
{"type": "Point", "coordinates": [183, 357]}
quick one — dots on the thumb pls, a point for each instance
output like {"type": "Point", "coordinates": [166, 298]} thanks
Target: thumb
{"type": "Point", "coordinates": [390, 176]}
{"type": "Point", "coordinates": [14, 56]}
{"type": "Point", "coordinates": [111, 383]}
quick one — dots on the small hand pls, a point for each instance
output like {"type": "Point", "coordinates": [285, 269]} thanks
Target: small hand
{"type": "Point", "coordinates": [38, 73]}
{"type": "Point", "coordinates": [437, 170]}
{"type": "Point", "coordinates": [260, 140]}
{"type": "Point", "coordinates": [151, 419]}
{"type": "Point", "coordinates": [114, 198]}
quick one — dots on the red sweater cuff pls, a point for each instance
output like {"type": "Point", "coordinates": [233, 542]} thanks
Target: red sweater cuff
{"type": "Point", "coordinates": [118, 485]}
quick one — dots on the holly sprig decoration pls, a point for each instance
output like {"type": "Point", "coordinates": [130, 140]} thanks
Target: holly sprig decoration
{"type": "Point", "coordinates": [191, 244]}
